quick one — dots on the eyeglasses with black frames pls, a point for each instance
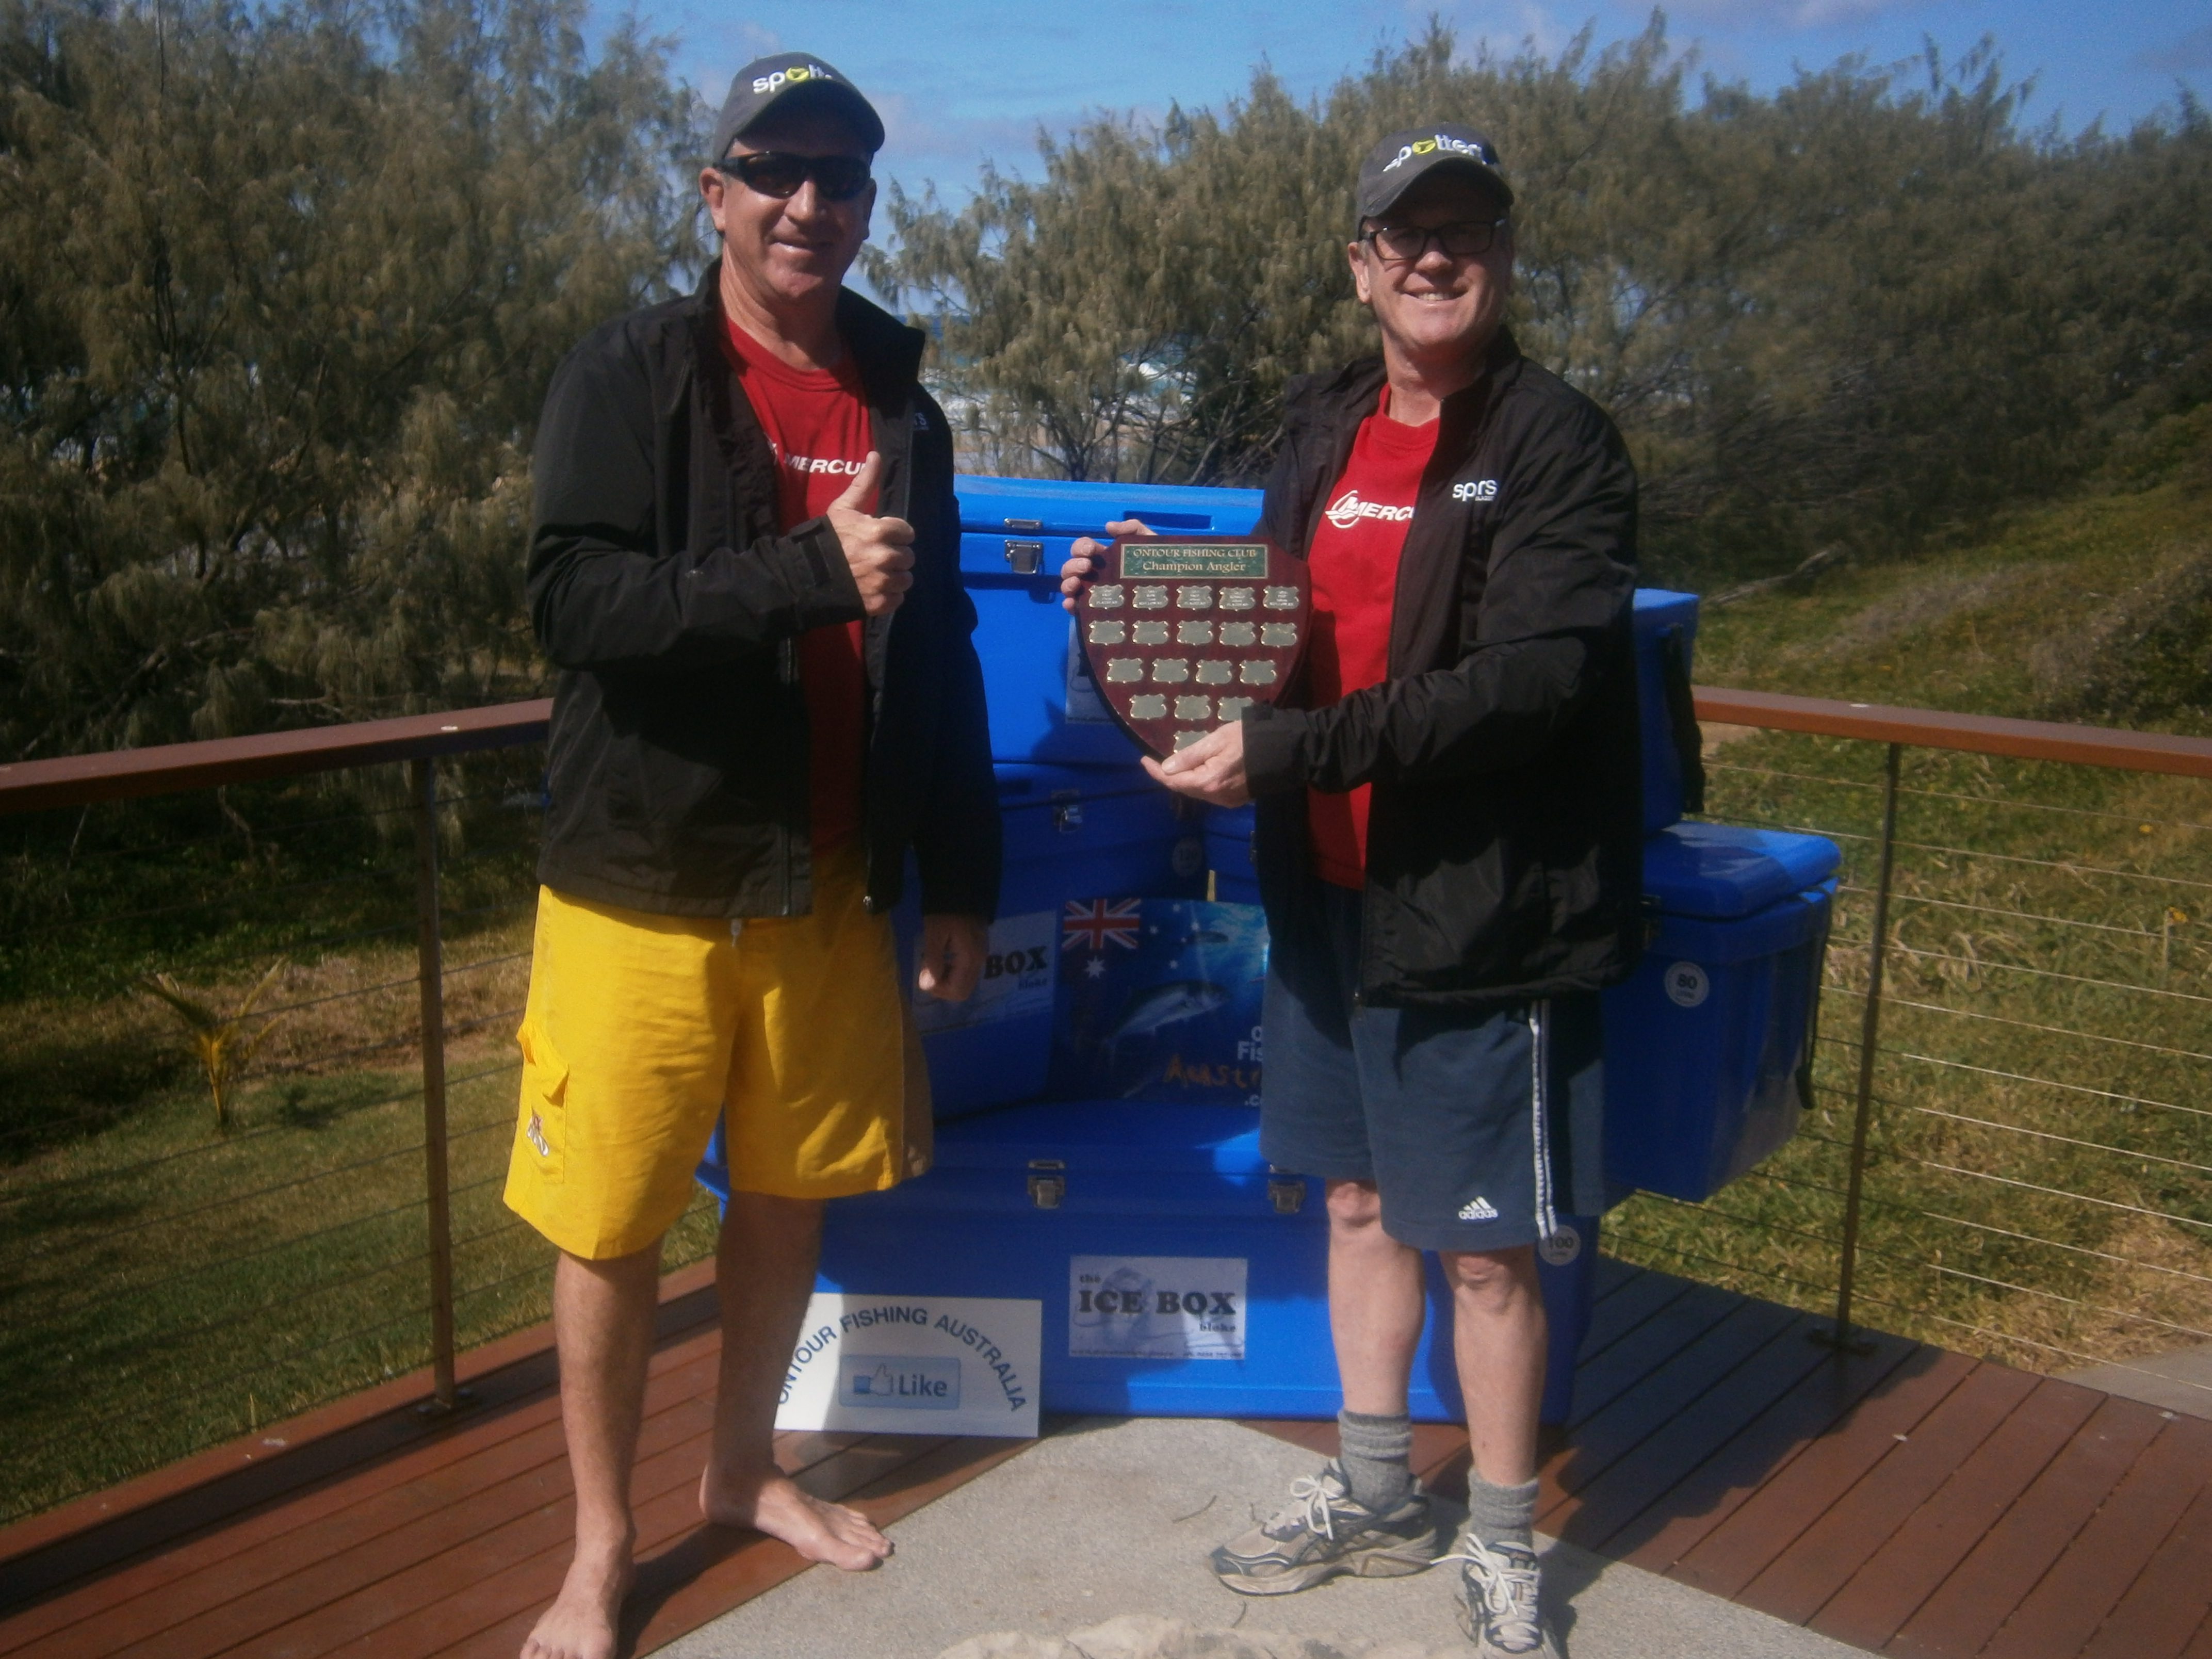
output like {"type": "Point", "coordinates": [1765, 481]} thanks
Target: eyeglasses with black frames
{"type": "Point", "coordinates": [1463, 238]}
{"type": "Point", "coordinates": [774, 172]}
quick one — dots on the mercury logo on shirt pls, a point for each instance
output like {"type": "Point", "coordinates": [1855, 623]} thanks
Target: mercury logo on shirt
{"type": "Point", "coordinates": [815, 463]}
{"type": "Point", "coordinates": [1347, 510]}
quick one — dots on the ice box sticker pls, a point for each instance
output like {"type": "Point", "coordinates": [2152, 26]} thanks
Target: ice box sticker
{"type": "Point", "coordinates": [1017, 978]}
{"type": "Point", "coordinates": [1156, 1307]}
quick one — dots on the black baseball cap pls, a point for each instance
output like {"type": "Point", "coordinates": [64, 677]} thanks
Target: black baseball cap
{"type": "Point", "coordinates": [788, 80]}
{"type": "Point", "coordinates": [1392, 166]}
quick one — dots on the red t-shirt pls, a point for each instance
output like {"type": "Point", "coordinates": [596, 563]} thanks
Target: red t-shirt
{"type": "Point", "coordinates": [817, 423]}
{"type": "Point", "coordinates": [1354, 563]}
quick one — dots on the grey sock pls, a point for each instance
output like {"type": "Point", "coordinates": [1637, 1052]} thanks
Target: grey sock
{"type": "Point", "coordinates": [1377, 1458]}
{"type": "Point", "coordinates": [1501, 1515]}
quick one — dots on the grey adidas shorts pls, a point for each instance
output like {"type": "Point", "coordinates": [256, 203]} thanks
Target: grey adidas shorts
{"type": "Point", "coordinates": [1461, 1117]}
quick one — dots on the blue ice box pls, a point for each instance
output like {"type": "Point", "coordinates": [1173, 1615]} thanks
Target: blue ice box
{"type": "Point", "coordinates": [1229, 855]}
{"type": "Point", "coordinates": [1015, 534]}
{"type": "Point", "coordinates": [1707, 1045]}
{"type": "Point", "coordinates": [1071, 834]}
{"type": "Point", "coordinates": [1673, 768]}
{"type": "Point", "coordinates": [1103, 1211]}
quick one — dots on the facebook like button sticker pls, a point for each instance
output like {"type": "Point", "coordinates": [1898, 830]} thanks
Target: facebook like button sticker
{"type": "Point", "coordinates": [914, 1382]}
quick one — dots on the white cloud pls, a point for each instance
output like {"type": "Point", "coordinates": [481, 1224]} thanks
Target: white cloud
{"type": "Point", "coordinates": [1501, 29]}
{"type": "Point", "coordinates": [2193, 51]}
{"type": "Point", "coordinates": [1792, 14]}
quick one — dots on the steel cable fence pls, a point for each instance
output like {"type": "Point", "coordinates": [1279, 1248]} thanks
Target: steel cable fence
{"type": "Point", "coordinates": [2027, 1178]}
{"type": "Point", "coordinates": [2033, 1174]}
{"type": "Point", "coordinates": [172, 1282]}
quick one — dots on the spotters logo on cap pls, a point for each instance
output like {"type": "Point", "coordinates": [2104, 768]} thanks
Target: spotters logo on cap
{"type": "Point", "coordinates": [1442, 141]}
{"type": "Point", "coordinates": [793, 75]}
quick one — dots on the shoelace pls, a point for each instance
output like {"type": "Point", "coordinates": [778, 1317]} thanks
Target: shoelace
{"type": "Point", "coordinates": [1509, 1593]}
{"type": "Point", "coordinates": [1310, 1506]}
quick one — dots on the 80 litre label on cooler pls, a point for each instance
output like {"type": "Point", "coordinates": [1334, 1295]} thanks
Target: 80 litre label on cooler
{"type": "Point", "coordinates": [1156, 1307]}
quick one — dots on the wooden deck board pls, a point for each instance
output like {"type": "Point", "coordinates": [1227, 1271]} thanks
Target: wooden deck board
{"type": "Point", "coordinates": [384, 1532]}
{"type": "Point", "coordinates": [1595, 1515]}
{"type": "Point", "coordinates": [2010, 1558]}
{"type": "Point", "coordinates": [1597, 1442]}
{"type": "Point", "coordinates": [483, 1472]}
{"type": "Point", "coordinates": [1899, 1577]}
{"type": "Point", "coordinates": [2059, 1616]}
{"type": "Point", "coordinates": [1796, 1586]}
{"type": "Point", "coordinates": [1905, 1499]}
{"type": "Point", "coordinates": [1769, 1521]}
{"type": "Point", "coordinates": [2168, 1600]}
{"type": "Point", "coordinates": [1757, 1457]}
{"type": "Point", "coordinates": [1919, 1502]}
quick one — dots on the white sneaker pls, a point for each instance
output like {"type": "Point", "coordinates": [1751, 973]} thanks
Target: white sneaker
{"type": "Point", "coordinates": [1498, 1606]}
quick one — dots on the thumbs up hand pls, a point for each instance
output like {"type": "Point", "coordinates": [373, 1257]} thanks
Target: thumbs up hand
{"type": "Point", "coordinates": [878, 551]}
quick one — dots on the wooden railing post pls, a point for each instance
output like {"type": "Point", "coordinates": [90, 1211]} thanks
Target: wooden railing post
{"type": "Point", "coordinates": [1869, 1030]}
{"type": "Point", "coordinates": [430, 971]}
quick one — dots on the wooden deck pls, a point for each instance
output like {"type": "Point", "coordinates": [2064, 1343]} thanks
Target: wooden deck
{"type": "Point", "coordinates": [1907, 1500]}
{"type": "Point", "coordinates": [367, 1529]}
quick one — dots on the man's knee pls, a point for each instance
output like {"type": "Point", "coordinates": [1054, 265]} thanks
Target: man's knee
{"type": "Point", "coordinates": [1354, 1206]}
{"type": "Point", "coordinates": [772, 1214]}
{"type": "Point", "coordinates": [770, 1234]}
{"type": "Point", "coordinates": [614, 1270]}
{"type": "Point", "coordinates": [1492, 1281]}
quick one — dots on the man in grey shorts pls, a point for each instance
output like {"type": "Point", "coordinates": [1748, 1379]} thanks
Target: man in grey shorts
{"type": "Point", "coordinates": [1447, 841]}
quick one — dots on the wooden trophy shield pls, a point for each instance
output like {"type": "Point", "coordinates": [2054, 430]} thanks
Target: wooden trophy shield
{"type": "Point", "coordinates": [1183, 634]}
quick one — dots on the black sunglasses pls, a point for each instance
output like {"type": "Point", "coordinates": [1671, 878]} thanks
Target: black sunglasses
{"type": "Point", "coordinates": [1405, 243]}
{"type": "Point", "coordinates": [772, 173]}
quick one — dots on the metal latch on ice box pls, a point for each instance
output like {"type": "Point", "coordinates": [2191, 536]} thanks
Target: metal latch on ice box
{"type": "Point", "coordinates": [1287, 1193]}
{"type": "Point", "coordinates": [1048, 1182]}
{"type": "Point", "coordinates": [1025, 558]}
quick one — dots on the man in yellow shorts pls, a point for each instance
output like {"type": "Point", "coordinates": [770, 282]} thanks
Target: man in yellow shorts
{"type": "Point", "coordinates": [746, 565]}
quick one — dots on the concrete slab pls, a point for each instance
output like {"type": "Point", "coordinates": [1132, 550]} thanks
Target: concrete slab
{"type": "Point", "coordinates": [2178, 1382]}
{"type": "Point", "coordinates": [1110, 1518]}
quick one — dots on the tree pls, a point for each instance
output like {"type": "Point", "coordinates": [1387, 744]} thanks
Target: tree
{"type": "Point", "coordinates": [1851, 312]}
{"type": "Point", "coordinates": [283, 289]}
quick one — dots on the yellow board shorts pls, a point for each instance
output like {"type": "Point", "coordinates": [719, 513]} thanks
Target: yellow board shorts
{"type": "Point", "coordinates": [641, 1030]}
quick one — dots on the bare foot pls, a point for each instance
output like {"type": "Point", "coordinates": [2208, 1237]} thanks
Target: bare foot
{"type": "Point", "coordinates": [582, 1622]}
{"type": "Point", "coordinates": [819, 1531]}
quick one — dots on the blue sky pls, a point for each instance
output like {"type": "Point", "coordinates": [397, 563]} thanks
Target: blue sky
{"type": "Point", "coordinates": [961, 80]}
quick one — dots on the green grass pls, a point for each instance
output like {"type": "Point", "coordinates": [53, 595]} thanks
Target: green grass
{"type": "Point", "coordinates": [2042, 1130]}
{"type": "Point", "coordinates": [167, 1287]}
{"type": "Point", "coordinates": [164, 1285]}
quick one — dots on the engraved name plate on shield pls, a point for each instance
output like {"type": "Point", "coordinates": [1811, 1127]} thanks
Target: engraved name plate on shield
{"type": "Point", "coordinates": [1184, 634]}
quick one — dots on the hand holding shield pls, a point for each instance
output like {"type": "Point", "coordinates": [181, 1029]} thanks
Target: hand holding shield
{"type": "Point", "coordinates": [1182, 634]}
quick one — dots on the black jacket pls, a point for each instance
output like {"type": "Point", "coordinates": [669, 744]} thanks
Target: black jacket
{"type": "Point", "coordinates": [1503, 842]}
{"type": "Point", "coordinates": [661, 587]}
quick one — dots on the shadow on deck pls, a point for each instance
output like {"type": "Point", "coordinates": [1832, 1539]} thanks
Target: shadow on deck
{"type": "Point", "coordinates": [1905, 1499]}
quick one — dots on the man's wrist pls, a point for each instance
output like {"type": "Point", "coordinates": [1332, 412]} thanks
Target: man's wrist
{"type": "Point", "coordinates": [822, 589]}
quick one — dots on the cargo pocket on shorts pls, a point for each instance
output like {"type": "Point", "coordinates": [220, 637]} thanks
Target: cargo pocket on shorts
{"type": "Point", "coordinates": [541, 1133]}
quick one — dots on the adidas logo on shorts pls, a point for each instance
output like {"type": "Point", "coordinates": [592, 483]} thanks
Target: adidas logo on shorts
{"type": "Point", "coordinates": [1478, 1209]}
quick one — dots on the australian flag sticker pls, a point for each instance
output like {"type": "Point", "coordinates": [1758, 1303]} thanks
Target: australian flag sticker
{"type": "Point", "coordinates": [1159, 1000]}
